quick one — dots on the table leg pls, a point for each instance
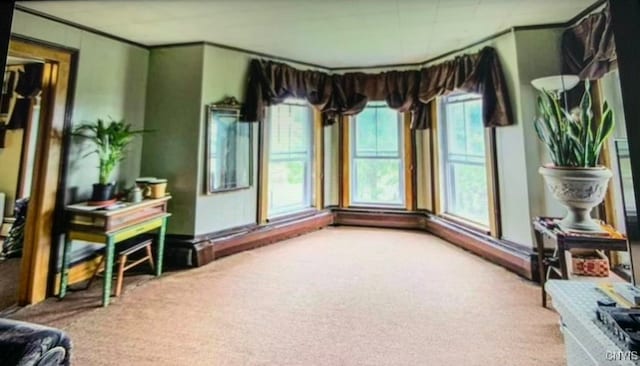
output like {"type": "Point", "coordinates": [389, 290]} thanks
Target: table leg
{"type": "Point", "coordinates": [66, 258]}
{"type": "Point", "coordinates": [541, 272]}
{"type": "Point", "coordinates": [108, 271]}
{"type": "Point", "coordinates": [609, 254]}
{"type": "Point", "coordinates": [160, 248]}
{"type": "Point", "coordinates": [563, 259]}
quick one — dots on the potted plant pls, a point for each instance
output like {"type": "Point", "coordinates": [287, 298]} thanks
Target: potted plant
{"type": "Point", "coordinates": [110, 139]}
{"type": "Point", "coordinates": [574, 142]}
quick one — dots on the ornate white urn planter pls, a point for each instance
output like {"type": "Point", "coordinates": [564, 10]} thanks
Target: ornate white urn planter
{"type": "Point", "coordinates": [579, 190]}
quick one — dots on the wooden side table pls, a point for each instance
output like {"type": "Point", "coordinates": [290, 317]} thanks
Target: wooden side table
{"type": "Point", "coordinates": [546, 229]}
{"type": "Point", "coordinates": [110, 227]}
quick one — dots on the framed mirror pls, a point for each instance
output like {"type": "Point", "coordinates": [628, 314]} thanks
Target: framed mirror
{"type": "Point", "coordinates": [228, 148]}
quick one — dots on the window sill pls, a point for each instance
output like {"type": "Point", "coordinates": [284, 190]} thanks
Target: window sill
{"type": "Point", "coordinates": [466, 223]}
{"type": "Point", "coordinates": [308, 211]}
{"type": "Point", "coordinates": [226, 190]}
{"type": "Point", "coordinates": [365, 206]}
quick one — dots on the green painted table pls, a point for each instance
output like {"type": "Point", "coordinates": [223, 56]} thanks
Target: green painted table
{"type": "Point", "coordinates": [111, 227]}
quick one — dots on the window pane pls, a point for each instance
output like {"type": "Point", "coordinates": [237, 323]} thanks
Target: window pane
{"type": "Point", "coordinates": [366, 133]}
{"type": "Point", "coordinates": [377, 166]}
{"type": "Point", "coordinates": [475, 128]}
{"type": "Point", "coordinates": [377, 181]}
{"type": "Point", "coordinates": [376, 130]}
{"type": "Point", "coordinates": [388, 130]}
{"type": "Point", "coordinates": [290, 158]}
{"type": "Point", "coordinates": [289, 129]}
{"type": "Point", "coordinates": [467, 192]}
{"type": "Point", "coordinates": [463, 175]}
{"type": "Point", "coordinates": [456, 138]}
{"type": "Point", "coordinates": [287, 186]}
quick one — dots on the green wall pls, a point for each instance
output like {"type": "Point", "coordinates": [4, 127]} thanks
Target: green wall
{"type": "Point", "coordinates": [111, 81]}
{"type": "Point", "coordinates": [182, 81]}
{"type": "Point", "coordinates": [224, 74]}
{"type": "Point", "coordinates": [173, 112]}
{"type": "Point", "coordinates": [538, 56]}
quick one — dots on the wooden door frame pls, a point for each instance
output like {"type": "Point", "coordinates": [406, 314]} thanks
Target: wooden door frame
{"type": "Point", "coordinates": [42, 230]}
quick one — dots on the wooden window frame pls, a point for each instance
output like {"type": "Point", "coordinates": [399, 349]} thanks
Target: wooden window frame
{"type": "Point", "coordinates": [317, 172]}
{"type": "Point", "coordinates": [607, 209]}
{"type": "Point", "coordinates": [494, 228]}
{"type": "Point", "coordinates": [408, 156]}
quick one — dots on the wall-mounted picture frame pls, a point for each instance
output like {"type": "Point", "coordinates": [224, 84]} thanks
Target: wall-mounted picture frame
{"type": "Point", "coordinates": [229, 148]}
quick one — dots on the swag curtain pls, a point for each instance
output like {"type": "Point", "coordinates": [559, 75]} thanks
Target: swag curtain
{"type": "Point", "coordinates": [347, 94]}
{"type": "Point", "coordinates": [588, 48]}
{"type": "Point", "coordinates": [479, 73]}
{"type": "Point", "coordinates": [271, 83]}
{"type": "Point", "coordinates": [352, 91]}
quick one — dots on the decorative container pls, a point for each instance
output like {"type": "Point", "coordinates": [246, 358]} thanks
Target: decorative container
{"type": "Point", "coordinates": [579, 190]}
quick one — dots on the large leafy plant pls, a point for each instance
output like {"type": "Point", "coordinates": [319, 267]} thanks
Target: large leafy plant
{"type": "Point", "coordinates": [572, 139]}
{"type": "Point", "coordinates": [110, 139]}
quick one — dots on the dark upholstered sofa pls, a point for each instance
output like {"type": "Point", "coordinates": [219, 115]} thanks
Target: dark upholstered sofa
{"type": "Point", "coordinates": [28, 344]}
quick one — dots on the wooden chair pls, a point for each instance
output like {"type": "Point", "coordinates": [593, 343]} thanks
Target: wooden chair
{"type": "Point", "coordinates": [124, 263]}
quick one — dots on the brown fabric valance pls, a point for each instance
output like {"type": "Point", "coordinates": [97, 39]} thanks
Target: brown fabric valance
{"type": "Point", "coordinates": [352, 91]}
{"type": "Point", "coordinates": [588, 48]}
{"type": "Point", "coordinates": [271, 83]}
{"type": "Point", "coordinates": [406, 91]}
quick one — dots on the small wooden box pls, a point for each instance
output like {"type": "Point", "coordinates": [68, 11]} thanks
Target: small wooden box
{"type": "Point", "coordinates": [592, 263]}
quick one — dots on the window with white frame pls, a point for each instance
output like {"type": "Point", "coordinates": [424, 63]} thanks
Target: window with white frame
{"type": "Point", "coordinates": [290, 158]}
{"type": "Point", "coordinates": [463, 174]}
{"type": "Point", "coordinates": [377, 167]}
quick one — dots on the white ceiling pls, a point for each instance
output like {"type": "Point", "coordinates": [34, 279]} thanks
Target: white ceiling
{"type": "Point", "coordinates": [333, 33]}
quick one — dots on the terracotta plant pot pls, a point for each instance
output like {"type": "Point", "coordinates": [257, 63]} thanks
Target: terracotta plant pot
{"type": "Point", "coordinates": [579, 190]}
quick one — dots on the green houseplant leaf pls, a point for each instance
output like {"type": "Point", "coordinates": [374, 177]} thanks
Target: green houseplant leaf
{"type": "Point", "coordinates": [111, 140]}
{"type": "Point", "coordinates": [572, 141]}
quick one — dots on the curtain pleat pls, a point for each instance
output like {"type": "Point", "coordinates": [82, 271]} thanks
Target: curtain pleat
{"type": "Point", "coordinates": [479, 73]}
{"type": "Point", "coordinates": [271, 83]}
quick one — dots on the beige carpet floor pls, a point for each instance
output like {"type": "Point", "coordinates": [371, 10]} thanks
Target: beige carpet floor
{"type": "Point", "coordinates": [339, 296]}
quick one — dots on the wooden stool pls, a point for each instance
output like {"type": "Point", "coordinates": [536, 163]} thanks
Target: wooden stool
{"type": "Point", "coordinates": [124, 264]}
